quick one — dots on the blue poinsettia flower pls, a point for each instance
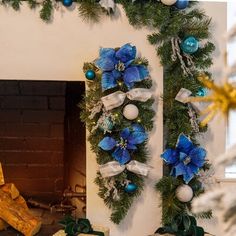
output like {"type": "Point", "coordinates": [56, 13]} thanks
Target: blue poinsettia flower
{"type": "Point", "coordinates": [129, 138]}
{"type": "Point", "coordinates": [186, 159]}
{"type": "Point", "coordinates": [118, 65]}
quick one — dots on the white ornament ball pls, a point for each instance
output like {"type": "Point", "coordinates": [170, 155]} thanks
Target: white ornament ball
{"type": "Point", "coordinates": [169, 2]}
{"type": "Point", "coordinates": [184, 193]}
{"type": "Point", "coordinates": [130, 112]}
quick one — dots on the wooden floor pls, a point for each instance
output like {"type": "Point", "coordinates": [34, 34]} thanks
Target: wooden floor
{"type": "Point", "coordinates": [49, 224]}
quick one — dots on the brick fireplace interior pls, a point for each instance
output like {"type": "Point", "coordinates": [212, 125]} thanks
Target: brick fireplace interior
{"type": "Point", "coordinates": [42, 140]}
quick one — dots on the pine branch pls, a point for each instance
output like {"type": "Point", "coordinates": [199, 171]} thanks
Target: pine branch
{"type": "Point", "coordinates": [90, 11]}
{"type": "Point", "coordinates": [204, 215]}
{"type": "Point", "coordinates": [46, 11]}
{"type": "Point", "coordinates": [32, 4]}
{"type": "Point", "coordinates": [15, 4]}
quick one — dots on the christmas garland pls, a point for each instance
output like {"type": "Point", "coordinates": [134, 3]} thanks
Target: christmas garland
{"type": "Point", "coordinates": [183, 46]}
{"type": "Point", "coordinates": [118, 113]}
{"type": "Point", "coordinates": [184, 57]}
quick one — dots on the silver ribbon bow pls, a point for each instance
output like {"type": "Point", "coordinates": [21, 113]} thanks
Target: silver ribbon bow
{"type": "Point", "coordinates": [116, 99]}
{"type": "Point", "coordinates": [183, 97]}
{"type": "Point", "coordinates": [109, 5]}
{"type": "Point", "coordinates": [114, 168]}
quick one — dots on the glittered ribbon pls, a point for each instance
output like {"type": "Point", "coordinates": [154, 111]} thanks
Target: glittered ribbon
{"type": "Point", "coordinates": [96, 109]}
{"type": "Point", "coordinates": [184, 96]}
{"type": "Point", "coordinates": [176, 53]}
{"type": "Point", "coordinates": [116, 99]}
{"type": "Point", "coordinates": [111, 189]}
{"type": "Point", "coordinates": [193, 118]}
{"type": "Point", "coordinates": [114, 168]}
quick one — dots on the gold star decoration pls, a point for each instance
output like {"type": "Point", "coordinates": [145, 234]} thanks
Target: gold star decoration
{"type": "Point", "coordinates": [221, 100]}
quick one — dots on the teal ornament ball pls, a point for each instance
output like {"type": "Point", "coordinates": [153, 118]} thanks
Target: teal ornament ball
{"type": "Point", "coordinates": [182, 4]}
{"type": "Point", "coordinates": [107, 125]}
{"type": "Point", "coordinates": [90, 74]}
{"type": "Point", "coordinates": [202, 92]}
{"type": "Point", "coordinates": [189, 45]}
{"type": "Point", "coordinates": [131, 188]}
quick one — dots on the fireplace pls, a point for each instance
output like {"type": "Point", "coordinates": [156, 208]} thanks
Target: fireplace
{"type": "Point", "coordinates": [42, 142]}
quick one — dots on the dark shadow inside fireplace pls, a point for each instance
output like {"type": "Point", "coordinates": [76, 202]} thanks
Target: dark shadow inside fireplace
{"type": "Point", "coordinates": [42, 144]}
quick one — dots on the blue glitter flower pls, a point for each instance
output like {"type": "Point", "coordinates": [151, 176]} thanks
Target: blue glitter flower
{"type": "Point", "coordinates": [129, 138]}
{"type": "Point", "coordinates": [186, 159]}
{"type": "Point", "coordinates": [119, 65]}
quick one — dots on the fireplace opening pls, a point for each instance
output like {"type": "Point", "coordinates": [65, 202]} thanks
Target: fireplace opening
{"type": "Point", "coordinates": [43, 147]}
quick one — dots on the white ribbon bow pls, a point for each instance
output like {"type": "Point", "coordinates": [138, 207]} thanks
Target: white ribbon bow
{"type": "Point", "coordinates": [116, 99]}
{"type": "Point", "coordinates": [114, 168]}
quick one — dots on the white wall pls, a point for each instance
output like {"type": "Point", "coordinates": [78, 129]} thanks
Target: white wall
{"type": "Point", "coordinates": [31, 49]}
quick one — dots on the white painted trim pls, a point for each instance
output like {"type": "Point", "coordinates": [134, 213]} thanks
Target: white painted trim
{"type": "Point", "coordinates": [226, 180]}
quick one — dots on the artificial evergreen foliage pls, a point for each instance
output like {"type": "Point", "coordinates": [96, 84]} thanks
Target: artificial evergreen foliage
{"type": "Point", "coordinates": [90, 10]}
{"type": "Point", "coordinates": [94, 93]}
{"type": "Point", "coordinates": [46, 11]}
{"type": "Point", "coordinates": [15, 4]}
{"type": "Point", "coordinates": [32, 4]}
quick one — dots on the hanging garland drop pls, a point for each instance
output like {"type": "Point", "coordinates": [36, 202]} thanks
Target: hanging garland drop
{"type": "Point", "coordinates": [189, 45]}
{"type": "Point", "coordinates": [120, 142]}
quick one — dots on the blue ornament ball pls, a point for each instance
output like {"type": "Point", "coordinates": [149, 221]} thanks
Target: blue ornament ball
{"type": "Point", "coordinates": [189, 45]}
{"type": "Point", "coordinates": [131, 188]}
{"type": "Point", "coordinates": [90, 74]}
{"type": "Point", "coordinates": [182, 4]}
{"type": "Point", "coordinates": [67, 3]}
{"type": "Point", "coordinates": [202, 92]}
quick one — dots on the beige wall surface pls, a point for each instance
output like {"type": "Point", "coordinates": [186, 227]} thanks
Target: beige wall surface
{"type": "Point", "coordinates": [215, 138]}
{"type": "Point", "coordinates": [31, 49]}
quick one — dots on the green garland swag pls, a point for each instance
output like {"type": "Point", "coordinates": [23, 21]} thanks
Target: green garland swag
{"type": "Point", "coordinates": [106, 125]}
{"type": "Point", "coordinates": [170, 23]}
